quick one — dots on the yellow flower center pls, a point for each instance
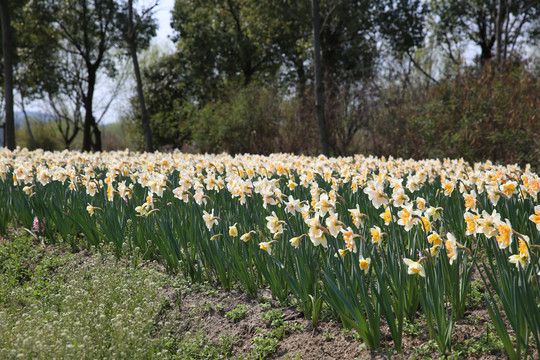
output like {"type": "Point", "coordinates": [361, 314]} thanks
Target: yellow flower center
{"type": "Point", "coordinates": [509, 189]}
{"type": "Point", "coordinates": [364, 264]}
{"type": "Point", "coordinates": [504, 234]}
{"type": "Point", "coordinates": [448, 188]}
{"type": "Point", "coordinates": [375, 235]}
{"type": "Point", "coordinates": [434, 239]}
{"type": "Point", "coordinates": [534, 186]}
{"type": "Point", "coordinates": [469, 201]}
{"type": "Point", "coordinates": [471, 224]}
{"type": "Point", "coordinates": [449, 248]}
{"type": "Point", "coordinates": [426, 223]}
{"type": "Point", "coordinates": [405, 215]}
{"type": "Point", "coordinates": [387, 216]}
{"type": "Point", "coordinates": [523, 251]}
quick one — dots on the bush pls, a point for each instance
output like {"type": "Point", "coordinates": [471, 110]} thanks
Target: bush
{"type": "Point", "coordinates": [489, 115]}
{"type": "Point", "coordinates": [255, 119]}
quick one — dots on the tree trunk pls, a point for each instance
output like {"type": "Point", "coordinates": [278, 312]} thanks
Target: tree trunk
{"type": "Point", "coordinates": [498, 32]}
{"type": "Point", "coordinates": [87, 129]}
{"type": "Point", "coordinates": [90, 143]}
{"type": "Point", "coordinates": [319, 86]}
{"type": "Point", "coordinates": [8, 74]}
{"type": "Point", "coordinates": [135, 60]}
{"type": "Point", "coordinates": [28, 127]}
{"type": "Point", "coordinates": [98, 146]}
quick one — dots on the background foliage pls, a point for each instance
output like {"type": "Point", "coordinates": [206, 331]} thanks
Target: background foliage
{"type": "Point", "coordinates": [405, 78]}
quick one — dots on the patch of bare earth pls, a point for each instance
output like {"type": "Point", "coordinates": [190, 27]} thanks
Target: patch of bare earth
{"type": "Point", "coordinates": [203, 311]}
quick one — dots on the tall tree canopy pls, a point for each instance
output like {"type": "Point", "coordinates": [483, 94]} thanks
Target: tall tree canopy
{"type": "Point", "coordinates": [224, 42]}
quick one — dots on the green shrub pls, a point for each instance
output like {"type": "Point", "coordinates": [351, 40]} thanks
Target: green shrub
{"type": "Point", "coordinates": [476, 115]}
{"type": "Point", "coordinates": [248, 122]}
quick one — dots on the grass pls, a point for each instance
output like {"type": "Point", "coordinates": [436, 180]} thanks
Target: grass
{"type": "Point", "coordinates": [56, 304]}
{"type": "Point", "coordinates": [59, 304]}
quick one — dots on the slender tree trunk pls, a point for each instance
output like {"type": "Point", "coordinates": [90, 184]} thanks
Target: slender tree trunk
{"type": "Point", "coordinates": [87, 128]}
{"type": "Point", "coordinates": [301, 85]}
{"type": "Point", "coordinates": [319, 86]}
{"type": "Point", "coordinates": [98, 146]}
{"type": "Point", "coordinates": [506, 21]}
{"type": "Point", "coordinates": [498, 32]}
{"type": "Point", "coordinates": [135, 60]}
{"type": "Point", "coordinates": [8, 74]}
{"type": "Point", "coordinates": [28, 127]}
{"type": "Point", "coordinates": [91, 134]}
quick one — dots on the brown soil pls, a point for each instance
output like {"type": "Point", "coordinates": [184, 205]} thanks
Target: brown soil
{"type": "Point", "coordinates": [328, 341]}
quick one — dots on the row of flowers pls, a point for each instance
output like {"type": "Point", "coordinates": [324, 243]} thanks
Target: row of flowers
{"type": "Point", "coordinates": [370, 237]}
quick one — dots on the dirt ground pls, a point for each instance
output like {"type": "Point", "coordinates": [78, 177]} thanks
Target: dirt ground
{"type": "Point", "coordinates": [205, 311]}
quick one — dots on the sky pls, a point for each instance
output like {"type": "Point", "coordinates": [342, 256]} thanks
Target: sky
{"type": "Point", "coordinates": [163, 17]}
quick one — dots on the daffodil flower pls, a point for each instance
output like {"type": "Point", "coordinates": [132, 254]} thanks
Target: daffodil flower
{"type": "Point", "coordinates": [28, 189]}
{"type": "Point", "coordinates": [364, 263]}
{"type": "Point", "coordinates": [535, 218]}
{"type": "Point", "coordinates": [295, 241]}
{"type": "Point", "coordinates": [406, 217]}
{"type": "Point", "coordinates": [504, 235]}
{"type": "Point", "coordinates": [487, 224]}
{"type": "Point", "coordinates": [387, 216]}
{"type": "Point", "coordinates": [334, 225]}
{"type": "Point", "coordinates": [91, 209]}
{"type": "Point", "coordinates": [376, 195]}
{"type": "Point", "coordinates": [247, 236]}
{"type": "Point", "coordinates": [91, 188]}
{"type": "Point", "coordinates": [357, 216]}
{"type": "Point", "coordinates": [399, 198]}
{"type": "Point", "coordinates": [209, 219]}
{"type": "Point", "coordinates": [414, 267]}
{"type": "Point", "coordinates": [434, 239]}
{"type": "Point", "coordinates": [521, 259]}
{"type": "Point", "coordinates": [375, 234]}
{"type": "Point", "coordinates": [233, 231]}
{"type": "Point", "coordinates": [325, 205]}
{"type": "Point", "coordinates": [267, 246]}
{"type": "Point", "coordinates": [274, 224]}
{"type": "Point", "coordinates": [342, 252]}
{"type": "Point", "coordinates": [142, 210]}
{"type": "Point", "coordinates": [451, 247]}
{"type": "Point", "coordinates": [470, 200]}
{"type": "Point", "coordinates": [471, 222]}
{"type": "Point", "coordinates": [292, 206]}
{"type": "Point", "coordinates": [316, 231]}
{"type": "Point", "coordinates": [509, 188]}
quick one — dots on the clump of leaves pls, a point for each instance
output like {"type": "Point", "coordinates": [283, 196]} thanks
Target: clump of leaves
{"type": "Point", "coordinates": [238, 313]}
